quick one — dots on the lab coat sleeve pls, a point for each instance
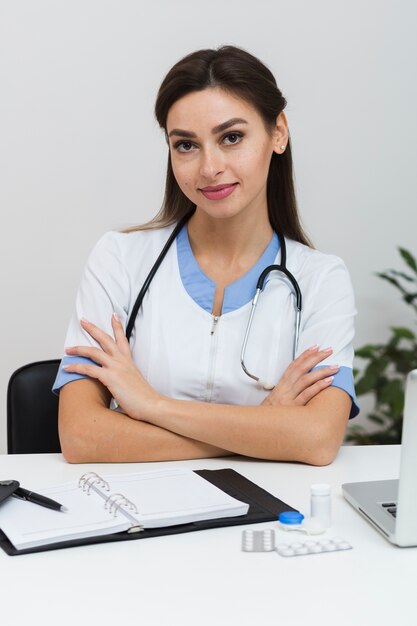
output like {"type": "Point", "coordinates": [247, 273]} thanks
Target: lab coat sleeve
{"type": "Point", "coordinates": [328, 318]}
{"type": "Point", "coordinates": [104, 289]}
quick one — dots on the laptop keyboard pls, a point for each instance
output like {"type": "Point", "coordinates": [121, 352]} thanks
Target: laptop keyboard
{"type": "Point", "coordinates": [391, 507]}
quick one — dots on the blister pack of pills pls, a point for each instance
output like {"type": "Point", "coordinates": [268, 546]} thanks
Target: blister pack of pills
{"type": "Point", "coordinates": [313, 547]}
{"type": "Point", "coordinates": [264, 541]}
{"type": "Point", "coordinates": [258, 540]}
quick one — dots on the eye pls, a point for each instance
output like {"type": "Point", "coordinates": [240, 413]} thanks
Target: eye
{"type": "Point", "coordinates": [232, 138]}
{"type": "Point", "coordinates": [184, 146]}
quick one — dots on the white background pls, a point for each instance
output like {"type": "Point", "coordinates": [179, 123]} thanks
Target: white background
{"type": "Point", "coordinates": [80, 152]}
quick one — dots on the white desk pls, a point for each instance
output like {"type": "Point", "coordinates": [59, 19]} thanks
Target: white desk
{"type": "Point", "coordinates": [203, 578]}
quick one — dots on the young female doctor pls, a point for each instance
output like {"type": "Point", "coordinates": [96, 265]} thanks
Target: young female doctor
{"type": "Point", "coordinates": [193, 380]}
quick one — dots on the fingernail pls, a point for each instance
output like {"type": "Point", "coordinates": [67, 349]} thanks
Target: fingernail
{"type": "Point", "coordinates": [334, 367]}
{"type": "Point", "coordinates": [329, 380]}
{"type": "Point", "coordinates": [84, 321]}
{"type": "Point", "coordinates": [116, 317]}
{"type": "Point", "coordinates": [314, 348]}
{"type": "Point", "coordinates": [327, 350]}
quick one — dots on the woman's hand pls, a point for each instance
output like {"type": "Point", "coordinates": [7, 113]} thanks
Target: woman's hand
{"type": "Point", "coordinates": [299, 384]}
{"type": "Point", "coordinates": [115, 369]}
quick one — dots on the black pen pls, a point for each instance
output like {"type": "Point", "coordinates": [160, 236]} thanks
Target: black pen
{"type": "Point", "coordinates": [36, 498]}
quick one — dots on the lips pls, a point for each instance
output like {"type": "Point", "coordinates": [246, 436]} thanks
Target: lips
{"type": "Point", "coordinates": [219, 191]}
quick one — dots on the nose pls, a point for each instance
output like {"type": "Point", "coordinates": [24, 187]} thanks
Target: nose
{"type": "Point", "coordinates": [212, 163]}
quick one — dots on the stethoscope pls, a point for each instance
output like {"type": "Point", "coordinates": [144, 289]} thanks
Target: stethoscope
{"type": "Point", "coordinates": [259, 288]}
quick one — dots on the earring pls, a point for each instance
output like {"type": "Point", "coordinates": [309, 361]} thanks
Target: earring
{"type": "Point", "coordinates": [282, 147]}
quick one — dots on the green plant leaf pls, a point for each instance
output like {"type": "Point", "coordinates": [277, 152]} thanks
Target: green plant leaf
{"type": "Point", "coordinates": [409, 297]}
{"type": "Point", "coordinates": [393, 395]}
{"type": "Point", "coordinates": [388, 365]}
{"type": "Point", "coordinates": [406, 277]}
{"type": "Point", "coordinates": [378, 366]}
{"type": "Point", "coordinates": [391, 280]}
{"type": "Point", "coordinates": [386, 438]}
{"type": "Point", "coordinates": [368, 351]}
{"type": "Point", "coordinates": [392, 344]}
{"type": "Point", "coordinates": [375, 418]}
{"type": "Point", "coordinates": [372, 378]}
{"type": "Point", "coordinates": [364, 385]}
{"type": "Point", "coordinates": [409, 259]}
{"type": "Point", "coordinates": [403, 361]}
{"type": "Point", "coordinates": [400, 331]}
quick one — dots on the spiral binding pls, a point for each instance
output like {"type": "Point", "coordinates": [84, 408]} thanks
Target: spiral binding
{"type": "Point", "coordinates": [89, 479]}
{"type": "Point", "coordinates": [117, 500]}
{"type": "Point", "coordinates": [114, 502]}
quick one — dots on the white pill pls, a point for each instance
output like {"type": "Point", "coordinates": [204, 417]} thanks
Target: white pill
{"type": "Point", "coordinates": [316, 549]}
{"type": "Point", "coordinates": [329, 548]}
{"type": "Point", "coordinates": [287, 552]}
{"type": "Point", "coordinates": [338, 540]}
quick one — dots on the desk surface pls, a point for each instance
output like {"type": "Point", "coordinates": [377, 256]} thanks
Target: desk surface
{"type": "Point", "coordinates": [203, 578]}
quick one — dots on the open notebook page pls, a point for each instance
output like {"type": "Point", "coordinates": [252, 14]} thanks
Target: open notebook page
{"type": "Point", "coordinates": [162, 498]}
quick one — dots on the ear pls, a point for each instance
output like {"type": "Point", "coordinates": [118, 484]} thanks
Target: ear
{"type": "Point", "coordinates": [280, 133]}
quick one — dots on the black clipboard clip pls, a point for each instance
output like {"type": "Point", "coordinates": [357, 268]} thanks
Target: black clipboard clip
{"type": "Point", "coordinates": [7, 488]}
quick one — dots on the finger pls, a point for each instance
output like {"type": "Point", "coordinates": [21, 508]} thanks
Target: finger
{"type": "Point", "coordinates": [119, 335]}
{"type": "Point", "coordinates": [94, 354]}
{"type": "Point", "coordinates": [91, 371]}
{"type": "Point", "coordinates": [312, 391]}
{"type": "Point", "coordinates": [309, 379]}
{"type": "Point", "coordinates": [321, 372]}
{"type": "Point", "coordinates": [307, 361]}
{"type": "Point", "coordinates": [300, 360]}
{"type": "Point", "coordinates": [315, 375]}
{"type": "Point", "coordinates": [312, 356]}
{"type": "Point", "coordinates": [103, 339]}
{"type": "Point", "coordinates": [85, 369]}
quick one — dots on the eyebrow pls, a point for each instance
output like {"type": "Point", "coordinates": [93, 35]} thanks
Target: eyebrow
{"type": "Point", "coordinates": [217, 129]}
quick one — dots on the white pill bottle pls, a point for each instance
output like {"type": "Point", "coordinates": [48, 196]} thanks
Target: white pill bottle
{"type": "Point", "coordinates": [321, 504]}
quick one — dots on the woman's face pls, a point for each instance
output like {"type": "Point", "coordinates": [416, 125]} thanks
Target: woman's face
{"type": "Point", "coordinates": [221, 151]}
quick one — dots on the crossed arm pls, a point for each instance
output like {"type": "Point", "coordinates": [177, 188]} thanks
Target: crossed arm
{"type": "Point", "coordinates": [302, 419]}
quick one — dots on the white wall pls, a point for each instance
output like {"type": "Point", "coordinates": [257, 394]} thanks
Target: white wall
{"type": "Point", "coordinates": [80, 152]}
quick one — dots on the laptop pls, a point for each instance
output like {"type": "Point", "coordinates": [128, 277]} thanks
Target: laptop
{"type": "Point", "coordinates": [391, 505]}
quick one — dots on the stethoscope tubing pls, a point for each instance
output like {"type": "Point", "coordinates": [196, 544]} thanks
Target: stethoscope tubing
{"type": "Point", "coordinates": [259, 288]}
{"type": "Point", "coordinates": [154, 269]}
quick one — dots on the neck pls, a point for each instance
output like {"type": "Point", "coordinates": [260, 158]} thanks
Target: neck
{"type": "Point", "coordinates": [237, 239]}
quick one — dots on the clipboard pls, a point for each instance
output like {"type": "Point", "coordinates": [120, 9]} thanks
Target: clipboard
{"type": "Point", "coordinates": [263, 507]}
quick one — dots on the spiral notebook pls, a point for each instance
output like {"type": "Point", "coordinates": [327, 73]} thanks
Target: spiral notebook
{"type": "Point", "coordinates": [263, 507]}
{"type": "Point", "coordinates": [101, 505]}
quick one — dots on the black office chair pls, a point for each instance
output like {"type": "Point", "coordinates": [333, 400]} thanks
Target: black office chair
{"type": "Point", "coordinates": [32, 409]}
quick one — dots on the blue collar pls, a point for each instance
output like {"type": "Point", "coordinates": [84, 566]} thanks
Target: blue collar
{"type": "Point", "coordinates": [201, 289]}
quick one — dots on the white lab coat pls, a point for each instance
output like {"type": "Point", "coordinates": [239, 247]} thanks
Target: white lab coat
{"type": "Point", "coordinates": [178, 346]}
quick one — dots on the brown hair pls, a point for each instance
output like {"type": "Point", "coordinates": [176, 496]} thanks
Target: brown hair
{"type": "Point", "coordinates": [240, 73]}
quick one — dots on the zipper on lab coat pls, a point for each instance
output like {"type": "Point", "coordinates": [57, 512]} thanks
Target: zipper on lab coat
{"type": "Point", "coordinates": [212, 358]}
